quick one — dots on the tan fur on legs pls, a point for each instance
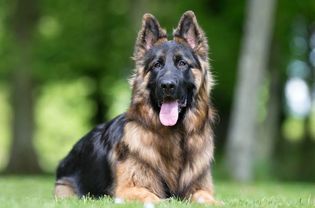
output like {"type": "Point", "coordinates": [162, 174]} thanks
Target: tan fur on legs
{"type": "Point", "coordinates": [137, 194]}
{"type": "Point", "coordinates": [202, 196]}
{"type": "Point", "coordinates": [136, 182]}
{"type": "Point", "coordinates": [64, 189]}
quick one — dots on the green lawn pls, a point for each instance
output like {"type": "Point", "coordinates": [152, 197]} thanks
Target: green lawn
{"type": "Point", "coordinates": [32, 192]}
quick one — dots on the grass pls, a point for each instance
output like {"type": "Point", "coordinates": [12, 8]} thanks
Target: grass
{"type": "Point", "coordinates": [32, 192]}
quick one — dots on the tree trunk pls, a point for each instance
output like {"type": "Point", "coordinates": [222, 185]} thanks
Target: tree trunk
{"type": "Point", "coordinates": [253, 60]}
{"type": "Point", "coordinates": [23, 159]}
{"type": "Point", "coordinates": [306, 168]}
{"type": "Point", "coordinates": [269, 129]}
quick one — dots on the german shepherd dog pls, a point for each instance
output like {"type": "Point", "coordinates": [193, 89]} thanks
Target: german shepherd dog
{"type": "Point", "coordinates": [163, 145]}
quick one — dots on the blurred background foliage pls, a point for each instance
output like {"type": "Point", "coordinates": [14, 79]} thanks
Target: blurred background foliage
{"type": "Point", "coordinates": [77, 55]}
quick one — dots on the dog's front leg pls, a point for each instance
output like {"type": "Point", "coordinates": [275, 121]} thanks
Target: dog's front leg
{"type": "Point", "coordinates": [204, 196]}
{"type": "Point", "coordinates": [135, 182]}
{"type": "Point", "coordinates": [136, 194]}
{"type": "Point", "coordinates": [202, 191]}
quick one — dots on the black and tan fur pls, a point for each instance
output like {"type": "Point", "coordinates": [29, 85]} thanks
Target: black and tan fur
{"type": "Point", "coordinates": [135, 157]}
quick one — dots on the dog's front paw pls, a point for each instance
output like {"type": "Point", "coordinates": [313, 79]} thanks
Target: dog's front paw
{"type": "Point", "coordinates": [150, 198]}
{"type": "Point", "coordinates": [205, 197]}
{"type": "Point", "coordinates": [137, 194]}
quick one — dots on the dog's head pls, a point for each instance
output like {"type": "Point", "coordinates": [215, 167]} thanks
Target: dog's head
{"type": "Point", "coordinates": [172, 74]}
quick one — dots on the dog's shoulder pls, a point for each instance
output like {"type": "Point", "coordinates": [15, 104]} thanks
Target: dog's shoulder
{"type": "Point", "coordinates": [96, 143]}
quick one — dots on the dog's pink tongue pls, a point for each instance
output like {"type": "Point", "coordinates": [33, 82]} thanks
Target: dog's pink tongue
{"type": "Point", "coordinates": [169, 113]}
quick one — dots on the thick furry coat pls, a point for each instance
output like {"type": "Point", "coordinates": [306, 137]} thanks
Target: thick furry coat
{"type": "Point", "coordinates": [163, 145]}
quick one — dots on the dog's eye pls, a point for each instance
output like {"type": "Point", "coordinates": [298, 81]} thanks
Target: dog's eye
{"type": "Point", "coordinates": [157, 65]}
{"type": "Point", "coordinates": [182, 64]}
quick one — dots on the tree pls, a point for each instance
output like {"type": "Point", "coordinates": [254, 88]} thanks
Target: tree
{"type": "Point", "coordinates": [252, 64]}
{"type": "Point", "coordinates": [23, 158]}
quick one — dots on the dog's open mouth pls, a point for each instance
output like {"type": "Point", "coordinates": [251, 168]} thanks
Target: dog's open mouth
{"type": "Point", "coordinates": [170, 110]}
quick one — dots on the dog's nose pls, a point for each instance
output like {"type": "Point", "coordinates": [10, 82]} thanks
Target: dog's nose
{"type": "Point", "coordinates": [168, 86]}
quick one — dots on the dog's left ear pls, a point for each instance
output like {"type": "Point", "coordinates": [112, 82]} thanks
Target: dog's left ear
{"type": "Point", "coordinates": [150, 34]}
{"type": "Point", "coordinates": [189, 31]}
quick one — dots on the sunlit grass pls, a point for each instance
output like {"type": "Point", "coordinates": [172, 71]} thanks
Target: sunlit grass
{"type": "Point", "coordinates": [32, 192]}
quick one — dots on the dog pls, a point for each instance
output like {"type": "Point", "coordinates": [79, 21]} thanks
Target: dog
{"type": "Point", "coordinates": [162, 146]}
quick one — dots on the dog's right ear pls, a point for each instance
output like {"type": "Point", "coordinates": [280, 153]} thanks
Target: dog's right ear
{"type": "Point", "coordinates": [150, 33]}
{"type": "Point", "coordinates": [190, 32]}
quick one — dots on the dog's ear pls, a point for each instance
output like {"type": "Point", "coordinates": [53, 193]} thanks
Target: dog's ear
{"type": "Point", "coordinates": [150, 33]}
{"type": "Point", "coordinates": [190, 32]}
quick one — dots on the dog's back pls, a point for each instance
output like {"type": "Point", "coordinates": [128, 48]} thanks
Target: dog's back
{"type": "Point", "coordinates": [86, 169]}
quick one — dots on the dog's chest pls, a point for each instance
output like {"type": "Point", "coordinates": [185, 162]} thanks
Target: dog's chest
{"type": "Point", "coordinates": [162, 152]}
{"type": "Point", "coordinates": [172, 159]}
